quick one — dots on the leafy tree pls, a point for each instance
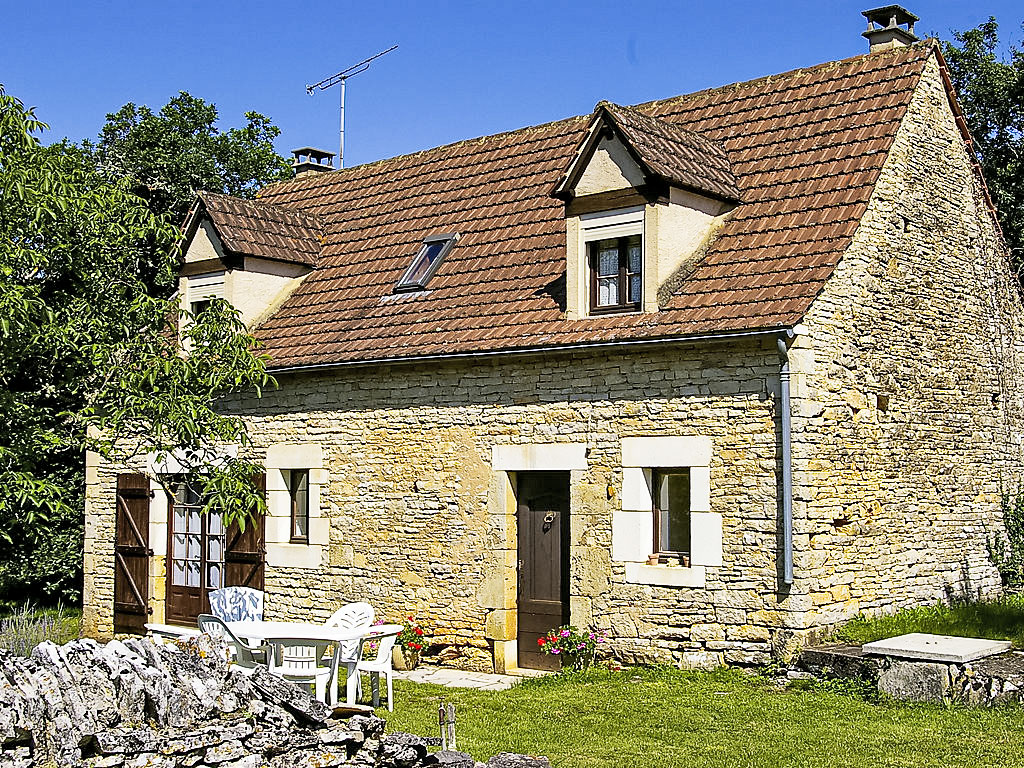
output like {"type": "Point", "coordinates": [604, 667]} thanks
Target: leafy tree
{"type": "Point", "coordinates": [174, 153]}
{"type": "Point", "coordinates": [991, 91]}
{"type": "Point", "coordinates": [82, 344]}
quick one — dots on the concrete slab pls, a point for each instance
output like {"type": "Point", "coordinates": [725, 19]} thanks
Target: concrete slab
{"type": "Point", "coordinates": [942, 648]}
{"type": "Point", "coordinates": [455, 678]}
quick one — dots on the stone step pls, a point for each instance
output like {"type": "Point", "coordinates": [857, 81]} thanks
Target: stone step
{"type": "Point", "coordinates": [839, 661]}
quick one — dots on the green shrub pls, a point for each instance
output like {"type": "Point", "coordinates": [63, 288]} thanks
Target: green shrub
{"type": "Point", "coordinates": [26, 627]}
{"type": "Point", "coordinates": [1006, 551]}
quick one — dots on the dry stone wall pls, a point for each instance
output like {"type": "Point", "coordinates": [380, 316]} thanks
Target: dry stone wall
{"type": "Point", "coordinates": [142, 704]}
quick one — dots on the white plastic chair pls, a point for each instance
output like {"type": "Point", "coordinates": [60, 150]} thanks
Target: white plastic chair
{"type": "Point", "coordinates": [300, 661]}
{"type": "Point", "coordinates": [241, 654]}
{"type": "Point", "coordinates": [380, 665]}
{"type": "Point", "coordinates": [351, 616]}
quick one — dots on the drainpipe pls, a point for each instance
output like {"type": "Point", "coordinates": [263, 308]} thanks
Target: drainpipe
{"type": "Point", "coordinates": [787, 461]}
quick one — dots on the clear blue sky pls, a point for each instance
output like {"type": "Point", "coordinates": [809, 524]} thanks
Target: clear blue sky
{"type": "Point", "coordinates": [462, 69]}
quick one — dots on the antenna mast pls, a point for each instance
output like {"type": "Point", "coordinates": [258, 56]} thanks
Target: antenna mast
{"type": "Point", "coordinates": [341, 79]}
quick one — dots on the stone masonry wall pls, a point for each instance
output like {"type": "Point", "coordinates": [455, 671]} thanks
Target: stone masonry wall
{"type": "Point", "coordinates": [410, 495]}
{"type": "Point", "coordinates": [908, 417]}
{"type": "Point", "coordinates": [410, 491]}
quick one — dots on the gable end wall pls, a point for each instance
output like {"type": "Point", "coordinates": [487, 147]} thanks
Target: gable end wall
{"type": "Point", "coordinates": [907, 409]}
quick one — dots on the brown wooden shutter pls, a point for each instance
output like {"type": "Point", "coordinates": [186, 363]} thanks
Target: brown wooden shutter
{"type": "Point", "coordinates": [245, 551]}
{"type": "Point", "coordinates": [131, 555]}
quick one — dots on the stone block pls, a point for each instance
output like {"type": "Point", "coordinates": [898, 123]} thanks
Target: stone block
{"type": "Point", "coordinates": [501, 625]}
{"type": "Point", "coordinates": [915, 681]}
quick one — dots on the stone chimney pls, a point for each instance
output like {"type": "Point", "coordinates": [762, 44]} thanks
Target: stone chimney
{"type": "Point", "coordinates": [886, 30]}
{"type": "Point", "coordinates": [310, 160]}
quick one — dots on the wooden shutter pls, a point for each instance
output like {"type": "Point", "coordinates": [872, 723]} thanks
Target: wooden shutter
{"type": "Point", "coordinates": [245, 552]}
{"type": "Point", "coordinates": [131, 555]}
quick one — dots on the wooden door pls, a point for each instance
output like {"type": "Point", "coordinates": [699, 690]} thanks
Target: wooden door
{"type": "Point", "coordinates": [131, 555]}
{"type": "Point", "coordinates": [543, 594]}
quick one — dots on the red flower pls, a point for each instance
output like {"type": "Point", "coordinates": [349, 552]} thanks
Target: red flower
{"type": "Point", "coordinates": [418, 631]}
{"type": "Point", "coordinates": [541, 641]}
{"type": "Point", "coordinates": [415, 646]}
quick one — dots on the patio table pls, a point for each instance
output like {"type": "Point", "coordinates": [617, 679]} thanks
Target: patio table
{"type": "Point", "coordinates": [264, 631]}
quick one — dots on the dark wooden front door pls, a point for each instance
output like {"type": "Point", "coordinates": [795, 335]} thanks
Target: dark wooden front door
{"type": "Point", "coordinates": [202, 556]}
{"type": "Point", "coordinates": [131, 555]}
{"type": "Point", "coordinates": [543, 596]}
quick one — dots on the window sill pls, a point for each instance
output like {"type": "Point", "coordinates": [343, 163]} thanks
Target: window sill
{"type": "Point", "coordinates": [665, 575]}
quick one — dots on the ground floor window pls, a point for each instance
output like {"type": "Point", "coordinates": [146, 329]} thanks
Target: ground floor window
{"type": "Point", "coordinates": [672, 512]}
{"type": "Point", "coordinates": [298, 492]}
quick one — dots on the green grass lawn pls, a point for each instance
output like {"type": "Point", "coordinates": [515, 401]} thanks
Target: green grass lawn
{"type": "Point", "coordinates": [666, 717]}
{"type": "Point", "coordinates": [1001, 619]}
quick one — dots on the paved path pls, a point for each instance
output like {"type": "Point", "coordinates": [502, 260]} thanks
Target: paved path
{"type": "Point", "coordinates": [457, 678]}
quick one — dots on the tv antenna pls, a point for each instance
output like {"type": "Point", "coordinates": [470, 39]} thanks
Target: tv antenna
{"type": "Point", "coordinates": [341, 78]}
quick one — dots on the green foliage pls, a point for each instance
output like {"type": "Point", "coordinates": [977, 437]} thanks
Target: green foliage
{"type": "Point", "coordinates": [82, 344]}
{"type": "Point", "coordinates": [27, 626]}
{"type": "Point", "coordinates": [174, 153]}
{"type": "Point", "coordinates": [1001, 619]}
{"type": "Point", "coordinates": [148, 399]}
{"type": "Point", "coordinates": [991, 92]}
{"type": "Point", "coordinates": [1007, 551]}
{"type": "Point", "coordinates": [668, 717]}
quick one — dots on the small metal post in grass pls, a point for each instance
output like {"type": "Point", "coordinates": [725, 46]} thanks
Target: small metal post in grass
{"type": "Point", "coordinates": [446, 722]}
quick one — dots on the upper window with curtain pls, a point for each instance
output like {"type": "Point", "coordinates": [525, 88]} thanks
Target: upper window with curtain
{"type": "Point", "coordinates": [616, 274]}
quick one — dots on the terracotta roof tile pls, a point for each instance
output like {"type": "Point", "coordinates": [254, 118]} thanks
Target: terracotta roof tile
{"type": "Point", "coordinates": [805, 149]}
{"type": "Point", "coordinates": [254, 228]}
{"type": "Point", "coordinates": [676, 154]}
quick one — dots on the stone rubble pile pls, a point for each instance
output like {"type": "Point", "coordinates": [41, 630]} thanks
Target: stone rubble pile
{"type": "Point", "coordinates": [141, 704]}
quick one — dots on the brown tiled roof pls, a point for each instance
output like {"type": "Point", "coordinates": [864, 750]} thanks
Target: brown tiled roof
{"type": "Point", "coordinates": [257, 228]}
{"type": "Point", "coordinates": [677, 155]}
{"type": "Point", "coordinates": [805, 147]}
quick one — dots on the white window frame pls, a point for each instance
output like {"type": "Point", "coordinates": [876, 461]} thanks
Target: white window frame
{"type": "Point", "coordinates": [633, 524]}
{"type": "Point", "coordinates": [607, 225]}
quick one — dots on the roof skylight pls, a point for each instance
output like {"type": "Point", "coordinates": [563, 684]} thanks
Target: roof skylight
{"type": "Point", "coordinates": [426, 262]}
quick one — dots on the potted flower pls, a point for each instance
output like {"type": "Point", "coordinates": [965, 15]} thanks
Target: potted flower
{"type": "Point", "coordinates": [576, 648]}
{"type": "Point", "coordinates": [411, 640]}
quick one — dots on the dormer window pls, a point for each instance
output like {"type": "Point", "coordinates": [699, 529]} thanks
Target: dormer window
{"type": "Point", "coordinates": [642, 197]}
{"type": "Point", "coordinates": [427, 260]}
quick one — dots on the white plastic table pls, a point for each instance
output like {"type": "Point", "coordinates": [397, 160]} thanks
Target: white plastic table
{"type": "Point", "coordinates": [264, 631]}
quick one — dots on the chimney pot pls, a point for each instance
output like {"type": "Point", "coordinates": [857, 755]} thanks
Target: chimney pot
{"type": "Point", "coordinates": [311, 160]}
{"type": "Point", "coordinates": [886, 27]}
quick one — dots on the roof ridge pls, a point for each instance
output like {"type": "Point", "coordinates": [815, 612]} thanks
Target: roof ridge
{"type": "Point", "coordinates": [318, 219]}
{"type": "Point", "coordinates": [787, 75]}
{"type": "Point", "coordinates": [321, 179]}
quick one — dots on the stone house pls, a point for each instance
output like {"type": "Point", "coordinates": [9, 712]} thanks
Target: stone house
{"type": "Point", "coordinates": [710, 373]}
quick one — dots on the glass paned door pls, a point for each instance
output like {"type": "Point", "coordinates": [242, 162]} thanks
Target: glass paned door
{"type": "Point", "coordinates": [196, 555]}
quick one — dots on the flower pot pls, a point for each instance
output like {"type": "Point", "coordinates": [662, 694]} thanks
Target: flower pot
{"type": "Point", "coordinates": [573, 662]}
{"type": "Point", "coordinates": [405, 659]}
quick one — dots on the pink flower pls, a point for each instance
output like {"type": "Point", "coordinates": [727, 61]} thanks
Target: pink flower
{"type": "Point", "coordinates": [565, 633]}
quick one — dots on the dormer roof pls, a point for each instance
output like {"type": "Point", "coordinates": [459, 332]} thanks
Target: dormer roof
{"type": "Point", "coordinates": [259, 229]}
{"type": "Point", "coordinates": [664, 152]}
